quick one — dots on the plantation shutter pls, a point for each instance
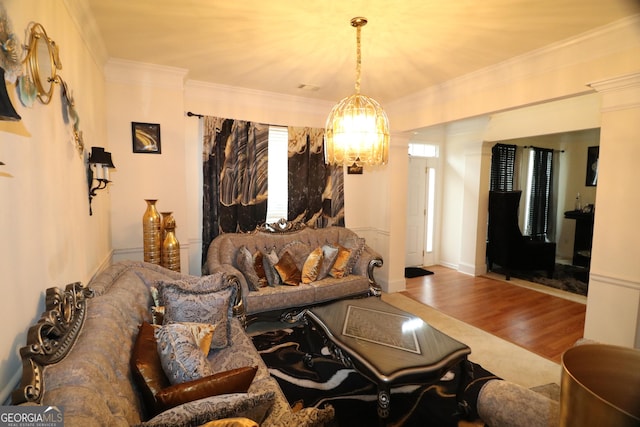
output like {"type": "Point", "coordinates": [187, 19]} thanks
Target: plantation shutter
{"type": "Point", "coordinates": [503, 160]}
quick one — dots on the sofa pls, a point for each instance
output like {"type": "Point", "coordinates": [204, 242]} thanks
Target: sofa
{"type": "Point", "coordinates": [87, 356]}
{"type": "Point", "coordinates": [245, 255]}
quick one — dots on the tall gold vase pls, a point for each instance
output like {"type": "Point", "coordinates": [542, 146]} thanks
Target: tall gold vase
{"type": "Point", "coordinates": [164, 218]}
{"type": "Point", "coordinates": [151, 234]}
{"type": "Point", "coordinates": [170, 245]}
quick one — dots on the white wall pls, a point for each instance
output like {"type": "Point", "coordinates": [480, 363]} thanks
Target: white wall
{"type": "Point", "coordinates": [48, 237]}
{"type": "Point", "coordinates": [148, 94]}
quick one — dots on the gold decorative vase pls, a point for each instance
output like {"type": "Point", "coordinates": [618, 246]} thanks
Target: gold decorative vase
{"type": "Point", "coordinates": [165, 217]}
{"type": "Point", "coordinates": [151, 223]}
{"type": "Point", "coordinates": [600, 386]}
{"type": "Point", "coordinates": [170, 245]}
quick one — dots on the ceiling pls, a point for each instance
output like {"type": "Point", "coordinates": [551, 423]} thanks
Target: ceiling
{"type": "Point", "coordinates": [279, 45]}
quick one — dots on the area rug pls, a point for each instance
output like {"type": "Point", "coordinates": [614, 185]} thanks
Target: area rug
{"type": "Point", "coordinates": [410, 272]}
{"type": "Point", "coordinates": [327, 381]}
{"type": "Point", "coordinates": [565, 277]}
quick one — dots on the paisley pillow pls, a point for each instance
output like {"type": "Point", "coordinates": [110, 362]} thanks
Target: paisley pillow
{"type": "Point", "coordinates": [181, 358]}
{"type": "Point", "coordinates": [209, 300]}
{"type": "Point", "coordinates": [269, 261]}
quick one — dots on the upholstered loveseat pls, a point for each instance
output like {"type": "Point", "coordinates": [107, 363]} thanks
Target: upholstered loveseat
{"type": "Point", "coordinates": [86, 355]}
{"type": "Point", "coordinates": [245, 254]}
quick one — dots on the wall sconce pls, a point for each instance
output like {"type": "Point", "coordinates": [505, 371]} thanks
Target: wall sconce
{"type": "Point", "coordinates": [98, 167]}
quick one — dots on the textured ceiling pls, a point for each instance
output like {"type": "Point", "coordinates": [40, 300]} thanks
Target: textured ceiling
{"type": "Point", "coordinates": [278, 45]}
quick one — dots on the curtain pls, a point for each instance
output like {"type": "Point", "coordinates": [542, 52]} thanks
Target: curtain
{"type": "Point", "coordinates": [539, 223]}
{"type": "Point", "coordinates": [503, 160]}
{"type": "Point", "coordinates": [234, 169]}
{"type": "Point", "coordinates": [315, 189]}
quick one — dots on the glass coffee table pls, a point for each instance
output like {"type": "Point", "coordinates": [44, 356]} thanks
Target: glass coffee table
{"type": "Point", "coordinates": [387, 345]}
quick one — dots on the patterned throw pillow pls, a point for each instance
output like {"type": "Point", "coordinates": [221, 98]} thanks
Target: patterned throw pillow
{"type": "Point", "coordinates": [299, 252]}
{"type": "Point", "coordinates": [181, 357]}
{"type": "Point", "coordinates": [258, 265]}
{"type": "Point", "coordinates": [157, 314]}
{"type": "Point", "coordinates": [288, 271]}
{"type": "Point", "coordinates": [311, 267]}
{"type": "Point", "coordinates": [203, 334]}
{"type": "Point", "coordinates": [209, 300]}
{"type": "Point", "coordinates": [269, 261]}
{"type": "Point", "coordinates": [356, 246]}
{"type": "Point", "coordinates": [329, 255]}
{"type": "Point", "coordinates": [340, 267]}
{"type": "Point", "coordinates": [246, 263]}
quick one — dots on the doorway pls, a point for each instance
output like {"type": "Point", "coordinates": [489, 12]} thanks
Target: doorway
{"type": "Point", "coordinates": [421, 192]}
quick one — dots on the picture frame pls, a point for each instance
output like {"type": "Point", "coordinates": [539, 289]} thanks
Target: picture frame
{"type": "Point", "coordinates": [593, 153]}
{"type": "Point", "coordinates": [146, 138]}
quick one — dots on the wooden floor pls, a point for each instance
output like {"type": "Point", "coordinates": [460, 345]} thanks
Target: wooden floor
{"type": "Point", "coordinates": [544, 324]}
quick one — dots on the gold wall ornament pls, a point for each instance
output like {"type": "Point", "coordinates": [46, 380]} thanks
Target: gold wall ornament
{"type": "Point", "coordinates": [151, 224]}
{"type": "Point", "coordinates": [43, 62]}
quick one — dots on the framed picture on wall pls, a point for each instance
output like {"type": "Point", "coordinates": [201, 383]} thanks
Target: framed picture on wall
{"type": "Point", "coordinates": [592, 166]}
{"type": "Point", "coordinates": [146, 137]}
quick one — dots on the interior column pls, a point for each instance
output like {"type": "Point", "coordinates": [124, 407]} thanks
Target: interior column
{"type": "Point", "coordinates": [613, 305]}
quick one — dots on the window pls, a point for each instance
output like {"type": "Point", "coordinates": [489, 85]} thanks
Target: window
{"type": "Point", "coordinates": [277, 187]}
{"type": "Point", "coordinates": [423, 150]}
{"type": "Point", "coordinates": [428, 151]}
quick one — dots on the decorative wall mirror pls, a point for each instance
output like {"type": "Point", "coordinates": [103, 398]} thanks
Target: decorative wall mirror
{"type": "Point", "coordinates": [43, 62]}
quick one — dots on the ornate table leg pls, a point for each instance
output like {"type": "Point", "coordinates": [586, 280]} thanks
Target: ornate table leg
{"type": "Point", "coordinates": [384, 402]}
{"type": "Point", "coordinates": [466, 376]}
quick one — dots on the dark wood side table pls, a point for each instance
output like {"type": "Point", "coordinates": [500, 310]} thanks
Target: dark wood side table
{"type": "Point", "coordinates": [387, 345]}
{"type": "Point", "coordinates": [582, 238]}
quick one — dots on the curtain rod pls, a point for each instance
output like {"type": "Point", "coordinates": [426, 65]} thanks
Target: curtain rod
{"type": "Point", "coordinates": [190, 114]}
{"type": "Point", "coordinates": [531, 146]}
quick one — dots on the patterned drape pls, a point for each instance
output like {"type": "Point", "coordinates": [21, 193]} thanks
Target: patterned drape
{"type": "Point", "coordinates": [235, 170]}
{"type": "Point", "coordinates": [234, 177]}
{"type": "Point", "coordinates": [316, 190]}
{"type": "Point", "coordinates": [540, 224]}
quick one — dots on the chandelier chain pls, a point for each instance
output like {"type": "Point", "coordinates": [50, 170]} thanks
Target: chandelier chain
{"type": "Point", "coordinates": [358, 58]}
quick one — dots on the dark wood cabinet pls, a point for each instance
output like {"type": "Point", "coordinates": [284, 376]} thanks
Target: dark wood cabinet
{"type": "Point", "coordinates": [583, 237]}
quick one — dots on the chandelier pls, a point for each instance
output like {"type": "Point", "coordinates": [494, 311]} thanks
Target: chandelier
{"type": "Point", "coordinates": [357, 129]}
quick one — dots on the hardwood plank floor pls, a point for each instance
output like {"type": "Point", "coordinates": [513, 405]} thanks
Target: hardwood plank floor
{"type": "Point", "coordinates": [544, 324]}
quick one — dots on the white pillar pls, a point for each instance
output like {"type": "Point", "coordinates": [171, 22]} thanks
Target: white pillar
{"type": "Point", "coordinates": [613, 305]}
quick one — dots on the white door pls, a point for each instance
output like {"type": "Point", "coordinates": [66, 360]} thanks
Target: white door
{"type": "Point", "coordinates": [421, 208]}
{"type": "Point", "coordinates": [416, 211]}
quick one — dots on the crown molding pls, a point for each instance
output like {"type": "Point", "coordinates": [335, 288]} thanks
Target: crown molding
{"type": "Point", "coordinates": [140, 73]}
{"type": "Point", "coordinates": [619, 93]}
{"type": "Point", "coordinates": [579, 49]}
{"type": "Point", "coordinates": [255, 93]}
